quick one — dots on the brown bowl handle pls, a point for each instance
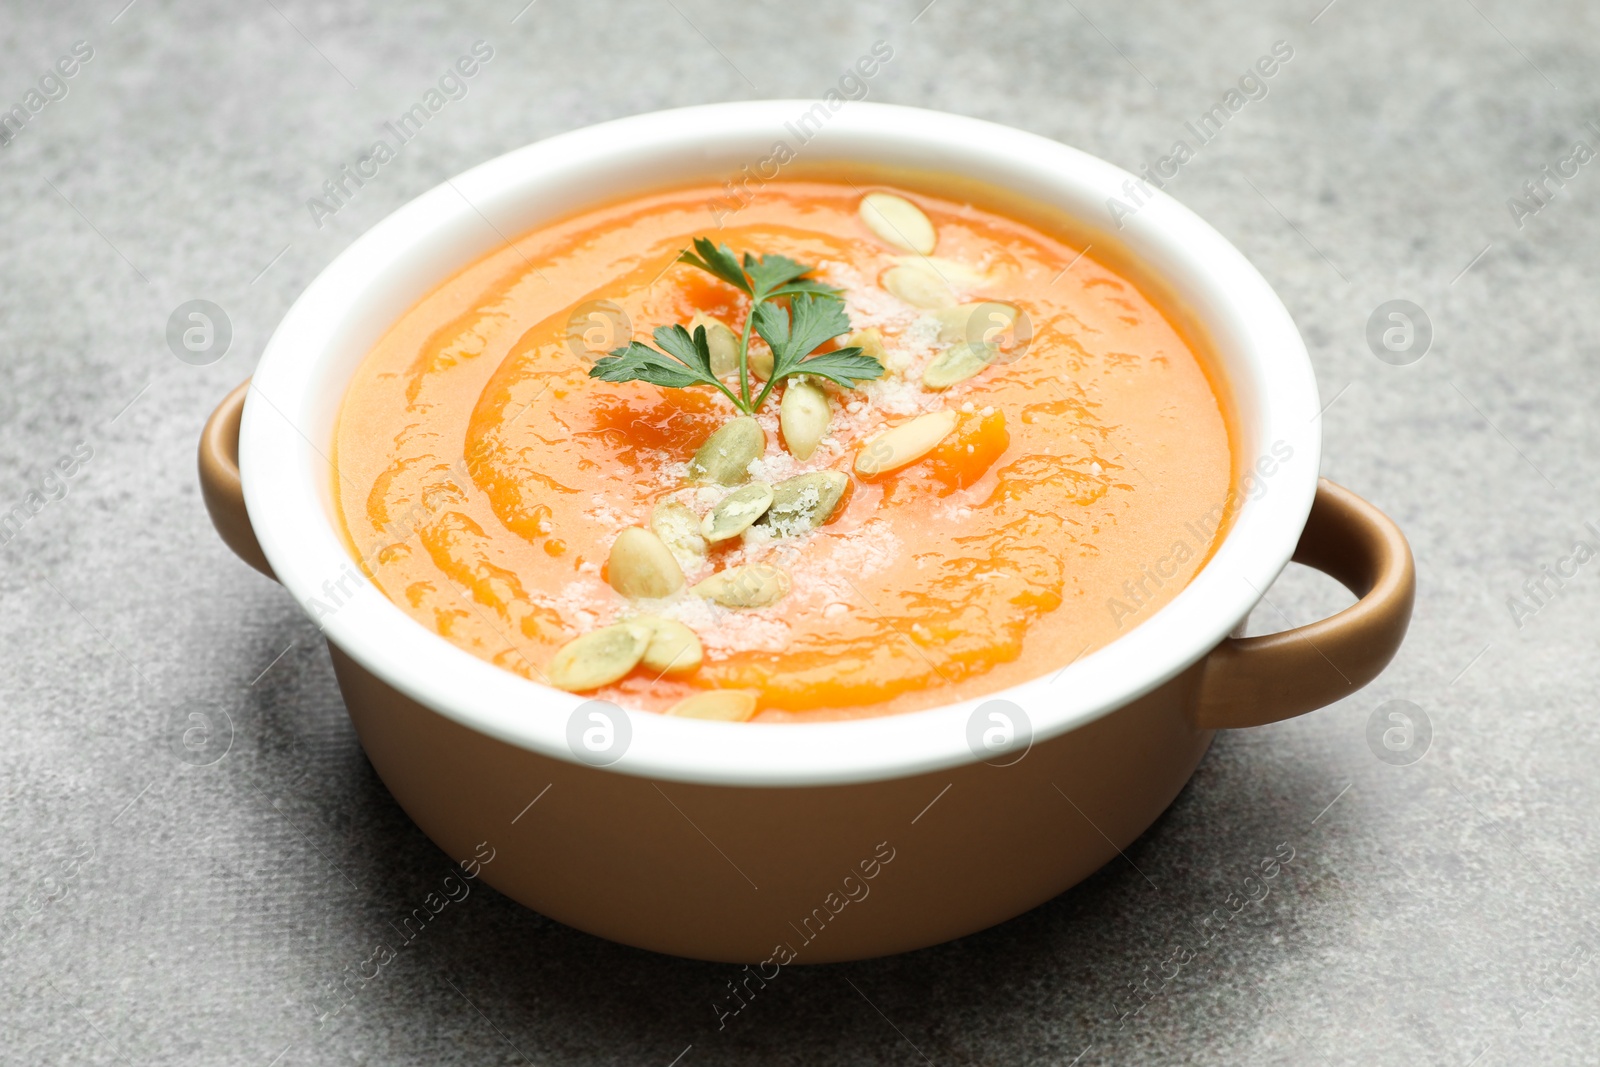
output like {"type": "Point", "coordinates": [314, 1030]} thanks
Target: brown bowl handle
{"type": "Point", "coordinates": [220, 484]}
{"type": "Point", "coordinates": [1248, 681]}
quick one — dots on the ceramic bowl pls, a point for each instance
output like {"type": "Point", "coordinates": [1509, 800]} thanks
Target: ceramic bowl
{"type": "Point", "coordinates": [766, 843]}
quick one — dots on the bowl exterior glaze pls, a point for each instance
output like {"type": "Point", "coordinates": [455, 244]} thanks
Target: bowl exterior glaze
{"type": "Point", "coordinates": [734, 873]}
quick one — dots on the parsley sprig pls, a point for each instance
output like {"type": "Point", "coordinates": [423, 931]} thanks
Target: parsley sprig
{"type": "Point", "coordinates": [815, 314]}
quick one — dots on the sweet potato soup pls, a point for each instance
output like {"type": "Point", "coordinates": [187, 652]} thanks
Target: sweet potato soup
{"type": "Point", "coordinates": [858, 451]}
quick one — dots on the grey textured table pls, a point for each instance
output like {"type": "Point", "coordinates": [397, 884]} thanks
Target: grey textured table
{"type": "Point", "coordinates": [1437, 907]}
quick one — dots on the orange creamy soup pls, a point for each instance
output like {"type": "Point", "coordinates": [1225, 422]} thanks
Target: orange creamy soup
{"type": "Point", "coordinates": [1041, 464]}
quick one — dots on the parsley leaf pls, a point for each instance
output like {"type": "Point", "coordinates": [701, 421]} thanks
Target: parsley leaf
{"type": "Point", "coordinates": [815, 316]}
{"type": "Point", "coordinates": [692, 351]}
{"type": "Point", "coordinates": [817, 320]}
{"type": "Point", "coordinates": [843, 366]}
{"type": "Point", "coordinates": [640, 362]}
{"type": "Point", "coordinates": [806, 285]}
{"type": "Point", "coordinates": [645, 364]}
{"type": "Point", "coordinates": [772, 272]}
{"type": "Point", "coordinates": [719, 261]}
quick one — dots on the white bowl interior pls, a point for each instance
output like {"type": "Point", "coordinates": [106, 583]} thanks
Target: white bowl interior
{"type": "Point", "coordinates": [289, 422]}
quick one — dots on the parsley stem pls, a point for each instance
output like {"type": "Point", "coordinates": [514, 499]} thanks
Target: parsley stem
{"type": "Point", "coordinates": [770, 383]}
{"type": "Point", "coordinates": [729, 394]}
{"type": "Point", "coordinates": [744, 360]}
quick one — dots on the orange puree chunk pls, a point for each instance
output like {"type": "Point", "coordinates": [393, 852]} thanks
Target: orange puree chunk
{"type": "Point", "coordinates": [964, 457]}
{"type": "Point", "coordinates": [878, 540]}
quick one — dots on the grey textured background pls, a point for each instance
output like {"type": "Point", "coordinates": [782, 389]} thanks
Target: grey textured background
{"type": "Point", "coordinates": [1434, 913]}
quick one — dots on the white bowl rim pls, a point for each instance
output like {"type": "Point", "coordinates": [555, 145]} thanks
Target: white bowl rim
{"type": "Point", "coordinates": [297, 374]}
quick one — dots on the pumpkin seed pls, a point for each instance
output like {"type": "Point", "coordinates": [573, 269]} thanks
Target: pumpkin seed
{"type": "Point", "coordinates": [974, 322]}
{"type": "Point", "coordinates": [721, 341]}
{"type": "Point", "coordinates": [805, 501]}
{"type": "Point", "coordinates": [870, 341]}
{"type": "Point", "coordinates": [679, 530]}
{"type": "Point", "coordinates": [759, 360]}
{"type": "Point", "coordinates": [599, 657]}
{"type": "Point", "coordinates": [905, 443]}
{"type": "Point", "coordinates": [952, 272]}
{"type": "Point", "coordinates": [642, 566]}
{"type": "Point", "coordinates": [898, 221]}
{"type": "Point", "coordinates": [755, 585]}
{"type": "Point", "coordinates": [957, 363]}
{"type": "Point", "coordinates": [736, 512]}
{"type": "Point", "coordinates": [918, 287]}
{"type": "Point", "coordinates": [725, 457]}
{"type": "Point", "coordinates": [721, 705]}
{"type": "Point", "coordinates": [673, 647]}
{"type": "Point", "coordinates": [803, 416]}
